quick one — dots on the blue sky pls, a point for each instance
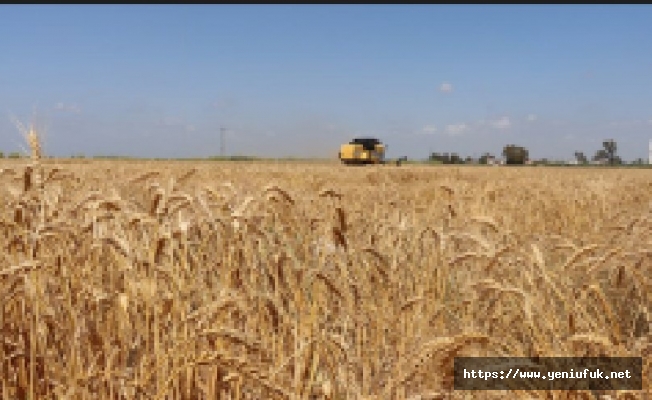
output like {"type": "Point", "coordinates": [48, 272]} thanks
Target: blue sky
{"type": "Point", "coordinates": [298, 80]}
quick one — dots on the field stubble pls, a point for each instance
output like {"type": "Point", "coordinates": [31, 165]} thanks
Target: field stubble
{"type": "Point", "coordinates": [271, 281]}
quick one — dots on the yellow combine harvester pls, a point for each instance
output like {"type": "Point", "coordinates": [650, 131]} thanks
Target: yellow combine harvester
{"type": "Point", "coordinates": [362, 151]}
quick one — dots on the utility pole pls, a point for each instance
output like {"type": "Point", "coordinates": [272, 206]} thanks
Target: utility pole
{"type": "Point", "coordinates": [222, 141]}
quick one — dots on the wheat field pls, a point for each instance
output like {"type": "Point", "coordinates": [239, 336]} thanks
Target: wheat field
{"type": "Point", "coordinates": [209, 280]}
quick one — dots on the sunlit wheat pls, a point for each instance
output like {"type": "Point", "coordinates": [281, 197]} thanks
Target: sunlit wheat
{"type": "Point", "coordinates": [141, 280]}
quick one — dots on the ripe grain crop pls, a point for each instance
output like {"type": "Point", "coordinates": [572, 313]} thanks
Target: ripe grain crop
{"type": "Point", "coordinates": [209, 280]}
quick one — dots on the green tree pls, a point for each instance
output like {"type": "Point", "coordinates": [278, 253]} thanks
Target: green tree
{"type": "Point", "coordinates": [601, 155]}
{"type": "Point", "coordinates": [436, 157]}
{"type": "Point", "coordinates": [484, 158]}
{"type": "Point", "coordinates": [445, 158]}
{"type": "Point", "coordinates": [580, 157]}
{"type": "Point", "coordinates": [515, 155]}
{"type": "Point", "coordinates": [610, 148]}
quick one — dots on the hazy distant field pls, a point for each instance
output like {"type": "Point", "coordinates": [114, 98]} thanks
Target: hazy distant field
{"type": "Point", "coordinates": [205, 280]}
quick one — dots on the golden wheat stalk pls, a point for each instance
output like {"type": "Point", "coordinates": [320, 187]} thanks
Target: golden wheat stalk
{"type": "Point", "coordinates": [34, 142]}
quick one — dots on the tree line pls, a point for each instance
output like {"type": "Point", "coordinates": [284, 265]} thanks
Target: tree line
{"type": "Point", "coordinates": [10, 155]}
{"type": "Point", "coordinates": [515, 155]}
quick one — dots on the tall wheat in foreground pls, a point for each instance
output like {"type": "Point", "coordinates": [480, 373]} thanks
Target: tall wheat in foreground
{"type": "Point", "coordinates": [34, 142]}
{"type": "Point", "coordinates": [176, 280]}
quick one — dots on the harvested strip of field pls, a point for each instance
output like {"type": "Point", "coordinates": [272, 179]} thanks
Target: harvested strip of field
{"type": "Point", "coordinates": [283, 281]}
